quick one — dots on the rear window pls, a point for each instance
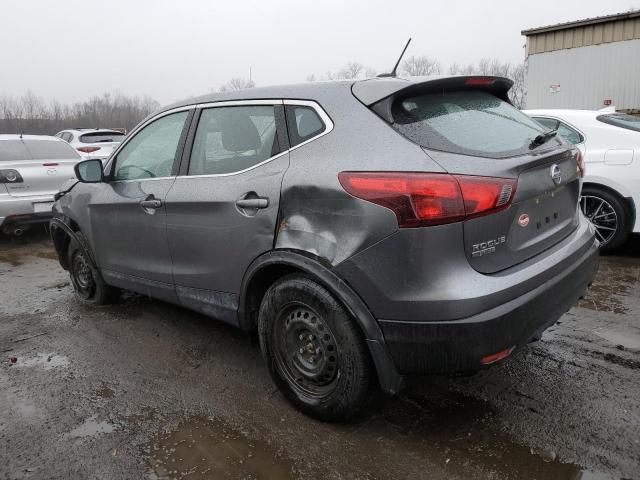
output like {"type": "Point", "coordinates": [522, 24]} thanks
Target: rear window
{"type": "Point", "coordinates": [13, 150]}
{"type": "Point", "coordinates": [101, 137]}
{"type": "Point", "coordinates": [303, 123]}
{"type": "Point", "coordinates": [621, 120]}
{"type": "Point", "coordinates": [50, 150]}
{"type": "Point", "coordinates": [465, 122]}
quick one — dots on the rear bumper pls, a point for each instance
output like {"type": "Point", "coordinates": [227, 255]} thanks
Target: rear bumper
{"type": "Point", "coordinates": [458, 346]}
{"type": "Point", "coordinates": [438, 314]}
{"type": "Point", "coordinates": [20, 209]}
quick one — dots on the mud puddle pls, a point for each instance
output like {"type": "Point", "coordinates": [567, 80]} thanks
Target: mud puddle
{"type": "Point", "coordinates": [91, 427]}
{"type": "Point", "coordinates": [46, 361]}
{"type": "Point", "coordinates": [202, 448]}
{"type": "Point", "coordinates": [624, 340]}
{"type": "Point", "coordinates": [463, 434]}
{"type": "Point", "coordinates": [615, 282]}
{"type": "Point", "coordinates": [10, 258]}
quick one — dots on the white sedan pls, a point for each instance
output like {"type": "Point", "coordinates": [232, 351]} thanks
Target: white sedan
{"type": "Point", "coordinates": [610, 143]}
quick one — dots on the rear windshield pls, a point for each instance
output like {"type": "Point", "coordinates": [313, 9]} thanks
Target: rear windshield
{"type": "Point", "coordinates": [13, 150]}
{"type": "Point", "coordinates": [100, 137]}
{"type": "Point", "coordinates": [621, 120]}
{"type": "Point", "coordinates": [465, 122]}
{"type": "Point", "coordinates": [50, 150]}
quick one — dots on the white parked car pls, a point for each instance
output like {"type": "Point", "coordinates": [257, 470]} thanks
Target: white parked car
{"type": "Point", "coordinates": [92, 143]}
{"type": "Point", "coordinates": [610, 143]}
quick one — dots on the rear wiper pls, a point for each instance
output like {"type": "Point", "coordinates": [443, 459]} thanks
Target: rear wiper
{"type": "Point", "coordinates": [543, 138]}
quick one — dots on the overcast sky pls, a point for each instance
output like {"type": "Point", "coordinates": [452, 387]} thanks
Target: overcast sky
{"type": "Point", "coordinates": [170, 49]}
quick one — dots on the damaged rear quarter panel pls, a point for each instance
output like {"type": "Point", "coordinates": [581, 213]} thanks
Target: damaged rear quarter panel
{"type": "Point", "coordinates": [317, 216]}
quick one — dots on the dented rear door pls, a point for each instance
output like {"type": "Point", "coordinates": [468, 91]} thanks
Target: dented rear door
{"type": "Point", "coordinates": [222, 210]}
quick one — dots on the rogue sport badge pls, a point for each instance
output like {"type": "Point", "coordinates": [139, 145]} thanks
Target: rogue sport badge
{"type": "Point", "coordinates": [556, 174]}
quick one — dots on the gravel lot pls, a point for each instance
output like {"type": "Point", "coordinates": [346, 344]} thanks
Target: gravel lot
{"type": "Point", "coordinates": [144, 389]}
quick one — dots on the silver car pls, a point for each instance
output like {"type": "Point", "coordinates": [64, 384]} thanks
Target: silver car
{"type": "Point", "coordinates": [32, 169]}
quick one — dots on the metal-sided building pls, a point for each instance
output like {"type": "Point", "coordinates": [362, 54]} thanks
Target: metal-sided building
{"type": "Point", "coordinates": [587, 64]}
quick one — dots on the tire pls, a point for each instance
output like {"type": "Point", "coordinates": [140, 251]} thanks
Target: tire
{"type": "Point", "coordinates": [609, 215]}
{"type": "Point", "coordinates": [88, 286]}
{"type": "Point", "coordinates": [316, 354]}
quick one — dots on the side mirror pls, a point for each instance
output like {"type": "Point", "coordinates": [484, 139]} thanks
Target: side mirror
{"type": "Point", "coordinates": [89, 171]}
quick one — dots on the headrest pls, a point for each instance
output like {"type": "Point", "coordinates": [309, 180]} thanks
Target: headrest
{"type": "Point", "coordinates": [238, 132]}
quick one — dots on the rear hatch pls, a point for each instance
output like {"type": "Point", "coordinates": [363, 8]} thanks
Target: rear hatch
{"type": "Point", "coordinates": [99, 144]}
{"type": "Point", "coordinates": [43, 165]}
{"type": "Point", "coordinates": [467, 125]}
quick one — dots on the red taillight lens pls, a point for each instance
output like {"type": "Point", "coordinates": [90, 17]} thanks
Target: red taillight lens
{"type": "Point", "coordinates": [88, 149]}
{"type": "Point", "coordinates": [485, 194]}
{"type": "Point", "coordinates": [580, 163]}
{"type": "Point", "coordinates": [421, 199]}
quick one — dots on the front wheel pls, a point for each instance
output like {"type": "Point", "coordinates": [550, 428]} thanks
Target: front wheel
{"type": "Point", "coordinates": [315, 352]}
{"type": "Point", "coordinates": [87, 284]}
{"type": "Point", "coordinates": [609, 216]}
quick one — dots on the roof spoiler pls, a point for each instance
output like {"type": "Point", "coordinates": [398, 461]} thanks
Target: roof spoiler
{"type": "Point", "coordinates": [379, 93]}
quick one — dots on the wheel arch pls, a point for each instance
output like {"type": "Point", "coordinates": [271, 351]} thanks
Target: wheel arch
{"type": "Point", "coordinates": [64, 229]}
{"type": "Point", "coordinates": [272, 265]}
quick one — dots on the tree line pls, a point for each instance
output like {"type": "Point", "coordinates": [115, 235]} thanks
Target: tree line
{"type": "Point", "coordinates": [424, 66]}
{"type": "Point", "coordinates": [31, 114]}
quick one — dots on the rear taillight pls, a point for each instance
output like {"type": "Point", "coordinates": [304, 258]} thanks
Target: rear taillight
{"type": "Point", "coordinates": [580, 163]}
{"type": "Point", "coordinates": [88, 149]}
{"type": "Point", "coordinates": [421, 199]}
{"type": "Point", "coordinates": [10, 176]}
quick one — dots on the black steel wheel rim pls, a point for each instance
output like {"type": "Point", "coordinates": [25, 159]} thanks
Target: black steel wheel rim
{"type": "Point", "coordinates": [305, 350]}
{"type": "Point", "coordinates": [602, 216]}
{"type": "Point", "coordinates": [82, 276]}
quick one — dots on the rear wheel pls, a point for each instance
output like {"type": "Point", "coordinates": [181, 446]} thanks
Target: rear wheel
{"type": "Point", "coordinates": [88, 286]}
{"type": "Point", "coordinates": [315, 352]}
{"type": "Point", "coordinates": [608, 214]}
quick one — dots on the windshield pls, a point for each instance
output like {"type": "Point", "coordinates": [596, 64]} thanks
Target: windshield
{"type": "Point", "coordinates": [465, 122]}
{"type": "Point", "coordinates": [621, 120]}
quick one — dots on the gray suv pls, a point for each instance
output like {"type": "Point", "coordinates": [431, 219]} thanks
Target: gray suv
{"type": "Point", "coordinates": [365, 230]}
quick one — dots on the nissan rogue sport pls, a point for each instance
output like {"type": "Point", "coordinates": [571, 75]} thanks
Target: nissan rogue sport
{"type": "Point", "coordinates": [365, 230]}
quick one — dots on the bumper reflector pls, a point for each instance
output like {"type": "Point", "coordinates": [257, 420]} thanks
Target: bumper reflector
{"type": "Point", "coordinates": [495, 357]}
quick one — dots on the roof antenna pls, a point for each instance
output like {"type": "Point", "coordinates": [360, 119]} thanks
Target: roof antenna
{"type": "Point", "coordinates": [393, 72]}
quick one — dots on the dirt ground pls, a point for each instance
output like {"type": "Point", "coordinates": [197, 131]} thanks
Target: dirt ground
{"type": "Point", "coordinates": [143, 389]}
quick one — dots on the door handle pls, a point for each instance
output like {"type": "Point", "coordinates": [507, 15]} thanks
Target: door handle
{"type": "Point", "coordinates": [151, 203]}
{"type": "Point", "coordinates": [251, 203]}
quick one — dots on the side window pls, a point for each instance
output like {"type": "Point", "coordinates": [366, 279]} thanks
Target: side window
{"type": "Point", "coordinates": [548, 123]}
{"type": "Point", "coordinates": [303, 123]}
{"type": "Point", "coordinates": [69, 137]}
{"type": "Point", "coordinates": [232, 139]}
{"type": "Point", "coordinates": [152, 151]}
{"type": "Point", "coordinates": [569, 134]}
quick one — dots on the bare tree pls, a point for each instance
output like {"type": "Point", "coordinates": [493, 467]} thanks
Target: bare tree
{"type": "Point", "coordinates": [31, 114]}
{"type": "Point", "coordinates": [351, 71]}
{"type": "Point", "coordinates": [237, 83]}
{"type": "Point", "coordinates": [516, 94]}
{"type": "Point", "coordinates": [420, 66]}
{"type": "Point", "coordinates": [489, 66]}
